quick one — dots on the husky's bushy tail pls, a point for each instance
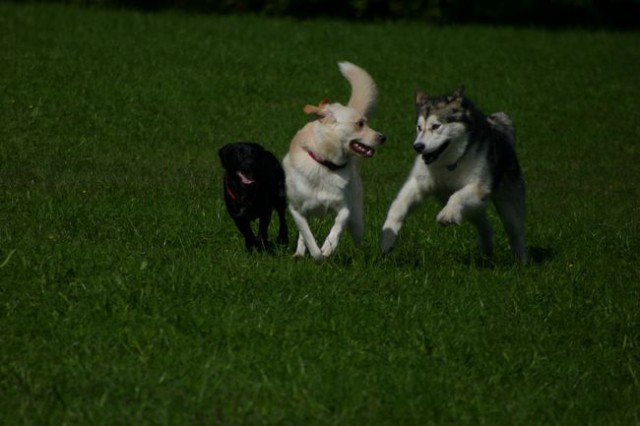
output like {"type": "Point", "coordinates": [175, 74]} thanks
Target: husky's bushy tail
{"type": "Point", "coordinates": [502, 123]}
{"type": "Point", "coordinates": [363, 89]}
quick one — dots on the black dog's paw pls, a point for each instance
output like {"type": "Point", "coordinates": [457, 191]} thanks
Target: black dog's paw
{"type": "Point", "coordinates": [262, 245]}
{"type": "Point", "coordinates": [258, 245]}
{"type": "Point", "coordinates": [249, 245]}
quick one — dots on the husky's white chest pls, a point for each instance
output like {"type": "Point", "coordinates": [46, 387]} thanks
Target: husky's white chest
{"type": "Point", "coordinates": [446, 180]}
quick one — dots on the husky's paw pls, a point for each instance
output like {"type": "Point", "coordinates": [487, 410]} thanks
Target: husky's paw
{"type": "Point", "coordinates": [449, 216]}
{"type": "Point", "coordinates": [327, 249]}
{"type": "Point", "coordinates": [387, 240]}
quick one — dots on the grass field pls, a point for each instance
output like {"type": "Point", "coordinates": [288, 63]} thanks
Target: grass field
{"type": "Point", "coordinates": [126, 296]}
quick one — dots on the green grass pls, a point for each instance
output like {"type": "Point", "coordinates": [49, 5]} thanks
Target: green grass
{"type": "Point", "coordinates": [126, 296]}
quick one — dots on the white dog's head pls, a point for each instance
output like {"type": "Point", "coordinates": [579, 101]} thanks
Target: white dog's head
{"type": "Point", "coordinates": [346, 127]}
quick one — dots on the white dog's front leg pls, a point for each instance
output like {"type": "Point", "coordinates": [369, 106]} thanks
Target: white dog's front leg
{"type": "Point", "coordinates": [305, 235]}
{"type": "Point", "coordinates": [410, 194]}
{"type": "Point", "coordinates": [331, 242]}
{"type": "Point", "coordinates": [470, 197]}
{"type": "Point", "coordinates": [301, 249]}
{"type": "Point", "coordinates": [356, 215]}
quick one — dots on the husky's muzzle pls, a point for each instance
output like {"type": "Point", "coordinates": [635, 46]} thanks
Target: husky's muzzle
{"type": "Point", "coordinates": [431, 156]}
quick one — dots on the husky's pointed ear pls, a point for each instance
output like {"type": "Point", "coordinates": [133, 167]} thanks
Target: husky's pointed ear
{"type": "Point", "coordinates": [421, 98]}
{"type": "Point", "coordinates": [459, 93]}
{"type": "Point", "coordinates": [457, 96]}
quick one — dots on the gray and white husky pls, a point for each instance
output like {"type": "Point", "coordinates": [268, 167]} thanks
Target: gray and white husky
{"type": "Point", "coordinates": [465, 159]}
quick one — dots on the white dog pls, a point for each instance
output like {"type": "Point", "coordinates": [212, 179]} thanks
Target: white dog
{"type": "Point", "coordinates": [320, 167]}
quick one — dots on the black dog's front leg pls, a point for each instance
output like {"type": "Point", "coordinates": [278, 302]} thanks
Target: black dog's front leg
{"type": "Point", "coordinates": [263, 232]}
{"type": "Point", "coordinates": [283, 231]}
{"type": "Point", "coordinates": [244, 227]}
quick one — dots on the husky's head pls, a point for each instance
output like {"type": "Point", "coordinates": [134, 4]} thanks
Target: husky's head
{"type": "Point", "coordinates": [344, 130]}
{"type": "Point", "coordinates": [442, 128]}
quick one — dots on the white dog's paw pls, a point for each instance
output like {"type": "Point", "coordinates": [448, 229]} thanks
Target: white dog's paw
{"type": "Point", "coordinates": [449, 216]}
{"type": "Point", "coordinates": [319, 257]}
{"type": "Point", "coordinates": [301, 250]}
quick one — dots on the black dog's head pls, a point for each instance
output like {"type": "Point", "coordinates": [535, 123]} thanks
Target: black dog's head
{"type": "Point", "coordinates": [241, 160]}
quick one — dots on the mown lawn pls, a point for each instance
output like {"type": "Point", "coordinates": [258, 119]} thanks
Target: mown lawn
{"type": "Point", "coordinates": [126, 296]}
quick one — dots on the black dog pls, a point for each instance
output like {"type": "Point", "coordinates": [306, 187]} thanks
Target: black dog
{"type": "Point", "coordinates": [253, 188]}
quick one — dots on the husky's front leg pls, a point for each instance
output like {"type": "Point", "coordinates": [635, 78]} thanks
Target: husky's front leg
{"type": "Point", "coordinates": [306, 237]}
{"type": "Point", "coordinates": [331, 242]}
{"type": "Point", "coordinates": [471, 197]}
{"type": "Point", "coordinates": [410, 194]}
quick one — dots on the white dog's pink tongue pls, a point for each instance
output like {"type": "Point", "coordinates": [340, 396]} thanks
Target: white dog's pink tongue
{"type": "Point", "coordinates": [244, 179]}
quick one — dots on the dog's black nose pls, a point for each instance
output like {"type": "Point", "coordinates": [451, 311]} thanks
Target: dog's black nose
{"type": "Point", "coordinates": [419, 147]}
{"type": "Point", "coordinates": [382, 138]}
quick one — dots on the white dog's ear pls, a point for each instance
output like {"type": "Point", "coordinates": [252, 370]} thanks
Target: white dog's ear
{"type": "Point", "coordinates": [321, 110]}
{"type": "Point", "coordinates": [317, 110]}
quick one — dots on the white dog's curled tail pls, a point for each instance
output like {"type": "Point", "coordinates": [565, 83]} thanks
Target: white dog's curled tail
{"type": "Point", "coordinates": [363, 89]}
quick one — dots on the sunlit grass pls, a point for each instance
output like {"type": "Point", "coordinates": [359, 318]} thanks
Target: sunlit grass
{"type": "Point", "coordinates": [126, 295]}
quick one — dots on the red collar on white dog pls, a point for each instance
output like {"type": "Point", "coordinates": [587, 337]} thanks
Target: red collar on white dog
{"type": "Point", "coordinates": [328, 164]}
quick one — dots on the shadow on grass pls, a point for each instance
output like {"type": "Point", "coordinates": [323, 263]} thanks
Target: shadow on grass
{"type": "Point", "coordinates": [537, 255]}
{"type": "Point", "coordinates": [541, 254]}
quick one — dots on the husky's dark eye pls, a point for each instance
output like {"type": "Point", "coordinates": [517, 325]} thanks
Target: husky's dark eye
{"type": "Point", "coordinates": [435, 126]}
{"type": "Point", "coordinates": [419, 128]}
{"type": "Point", "coordinates": [360, 124]}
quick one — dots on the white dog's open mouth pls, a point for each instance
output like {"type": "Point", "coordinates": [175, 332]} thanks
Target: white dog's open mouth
{"type": "Point", "coordinates": [361, 149]}
{"type": "Point", "coordinates": [244, 179]}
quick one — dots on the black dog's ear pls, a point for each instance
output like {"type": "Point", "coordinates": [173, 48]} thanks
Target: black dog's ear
{"type": "Point", "coordinates": [226, 157]}
{"type": "Point", "coordinates": [256, 148]}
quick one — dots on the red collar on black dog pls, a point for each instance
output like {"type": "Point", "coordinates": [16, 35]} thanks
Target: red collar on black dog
{"type": "Point", "coordinates": [328, 164]}
{"type": "Point", "coordinates": [228, 189]}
